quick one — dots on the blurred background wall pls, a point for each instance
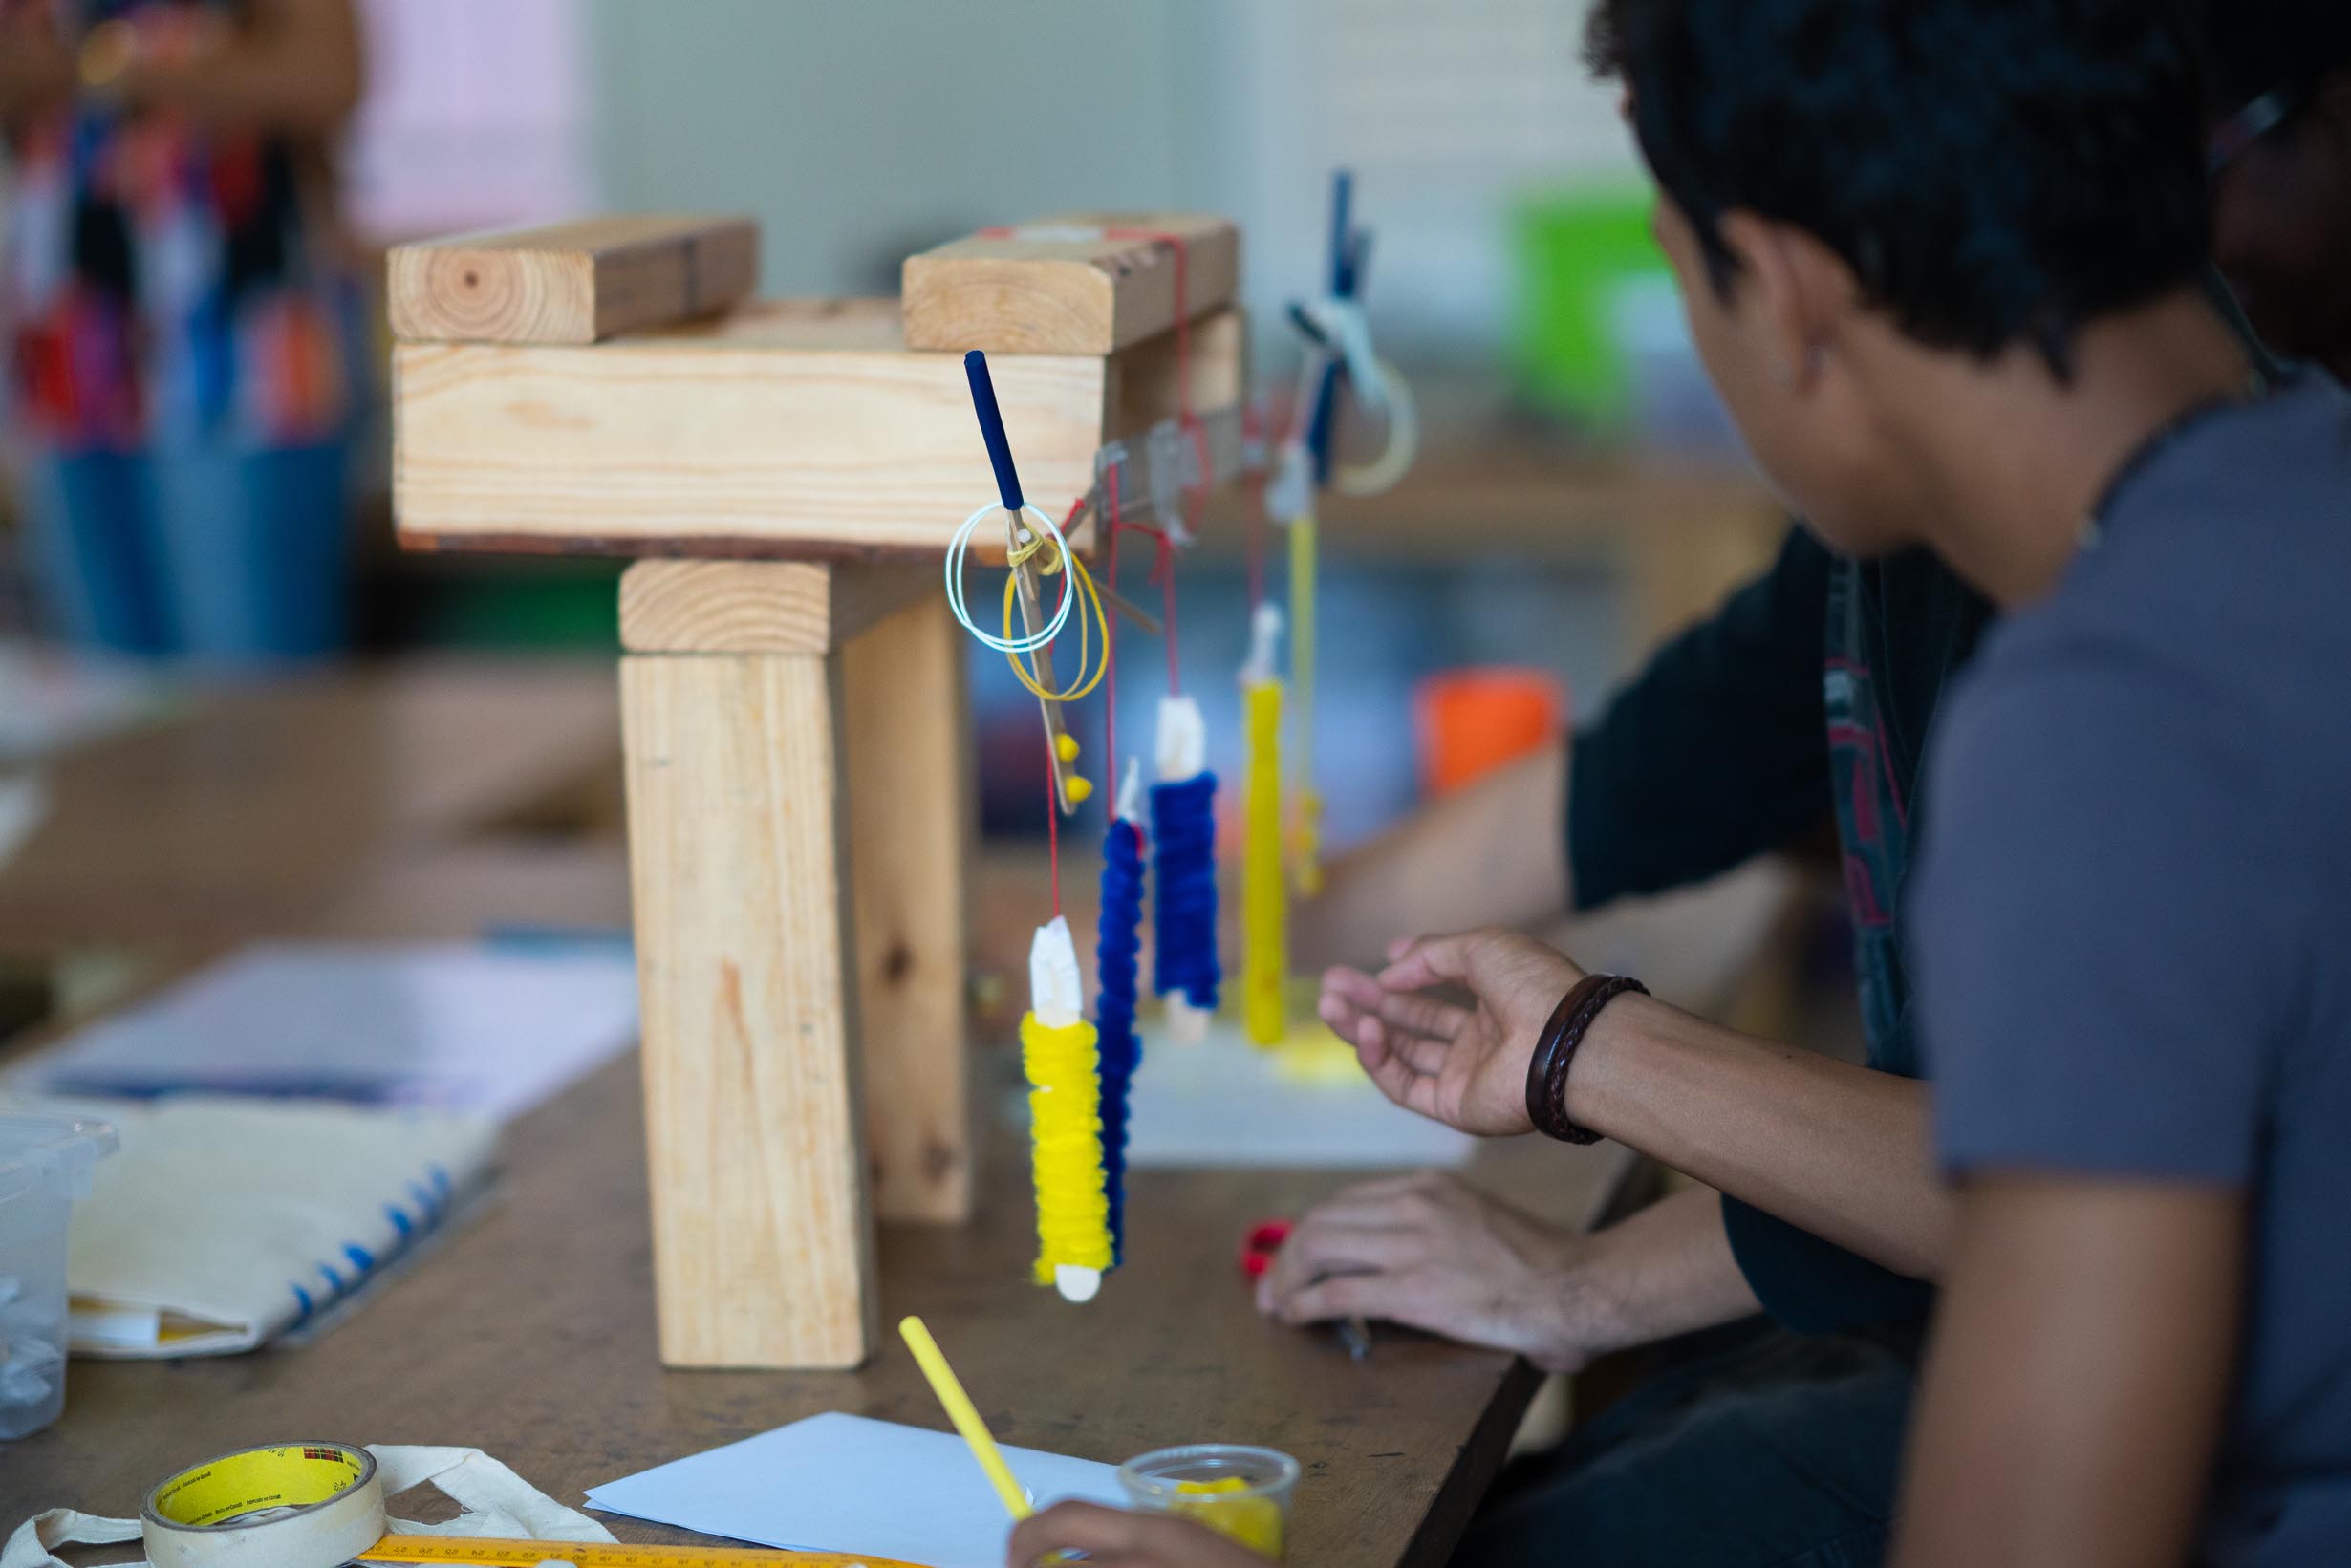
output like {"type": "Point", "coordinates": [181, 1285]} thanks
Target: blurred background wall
{"type": "Point", "coordinates": [1512, 277]}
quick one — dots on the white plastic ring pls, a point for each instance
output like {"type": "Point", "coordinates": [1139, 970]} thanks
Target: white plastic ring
{"type": "Point", "coordinates": [961, 544]}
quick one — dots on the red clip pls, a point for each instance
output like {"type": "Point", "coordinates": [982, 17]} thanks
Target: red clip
{"type": "Point", "coordinates": [1259, 1246]}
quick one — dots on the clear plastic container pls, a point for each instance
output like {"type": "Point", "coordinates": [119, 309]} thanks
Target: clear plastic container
{"type": "Point", "coordinates": [1240, 1492]}
{"type": "Point", "coordinates": [45, 1165]}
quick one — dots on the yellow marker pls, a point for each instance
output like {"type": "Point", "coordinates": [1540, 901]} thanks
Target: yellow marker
{"type": "Point", "coordinates": [1264, 901]}
{"type": "Point", "coordinates": [1308, 848]}
{"type": "Point", "coordinates": [482, 1552]}
{"type": "Point", "coordinates": [1079, 789]}
{"type": "Point", "coordinates": [1066, 746]}
{"type": "Point", "coordinates": [964, 1414]}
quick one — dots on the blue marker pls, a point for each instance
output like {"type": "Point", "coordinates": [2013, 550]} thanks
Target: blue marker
{"type": "Point", "coordinates": [992, 429]}
{"type": "Point", "coordinates": [1347, 249]}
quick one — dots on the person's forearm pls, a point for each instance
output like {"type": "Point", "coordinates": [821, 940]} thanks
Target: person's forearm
{"type": "Point", "coordinates": [1667, 1269]}
{"type": "Point", "coordinates": [2079, 1378]}
{"type": "Point", "coordinates": [1840, 1150]}
{"type": "Point", "coordinates": [1493, 854]}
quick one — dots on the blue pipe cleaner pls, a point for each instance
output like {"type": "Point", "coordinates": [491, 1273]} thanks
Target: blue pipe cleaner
{"type": "Point", "coordinates": [1183, 833]}
{"type": "Point", "coordinates": [1117, 946]}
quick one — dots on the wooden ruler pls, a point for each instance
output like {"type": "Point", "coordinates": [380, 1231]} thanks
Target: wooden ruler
{"type": "Point", "coordinates": [482, 1552]}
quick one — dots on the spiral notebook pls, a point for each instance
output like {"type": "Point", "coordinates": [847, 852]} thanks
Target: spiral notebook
{"type": "Point", "coordinates": [222, 1224]}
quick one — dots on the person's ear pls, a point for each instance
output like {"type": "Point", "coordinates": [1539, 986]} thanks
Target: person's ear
{"type": "Point", "coordinates": [1799, 293]}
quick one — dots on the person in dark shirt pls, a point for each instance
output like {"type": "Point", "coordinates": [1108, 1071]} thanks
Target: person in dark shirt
{"type": "Point", "coordinates": [1714, 755]}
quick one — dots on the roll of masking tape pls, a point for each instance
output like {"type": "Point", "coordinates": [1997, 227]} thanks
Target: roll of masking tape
{"type": "Point", "coordinates": [298, 1505]}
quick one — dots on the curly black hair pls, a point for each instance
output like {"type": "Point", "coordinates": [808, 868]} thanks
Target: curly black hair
{"type": "Point", "coordinates": [1994, 171]}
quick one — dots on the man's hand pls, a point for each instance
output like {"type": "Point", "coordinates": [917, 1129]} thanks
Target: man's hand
{"type": "Point", "coordinates": [1432, 1253]}
{"type": "Point", "coordinates": [1465, 1066]}
{"type": "Point", "coordinates": [1119, 1539]}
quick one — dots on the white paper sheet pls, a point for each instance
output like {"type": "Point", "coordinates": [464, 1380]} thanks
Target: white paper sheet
{"type": "Point", "coordinates": [449, 1025]}
{"type": "Point", "coordinates": [845, 1483]}
{"type": "Point", "coordinates": [1226, 1102]}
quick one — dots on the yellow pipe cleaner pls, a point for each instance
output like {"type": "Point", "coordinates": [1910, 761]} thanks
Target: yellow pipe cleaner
{"type": "Point", "coordinates": [1264, 902]}
{"type": "Point", "coordinates": [1308, 848]}
{"type": "Point", "coordinates": [1089, 597]}
{"type": "Point", "coordinates": [1064, 1133]}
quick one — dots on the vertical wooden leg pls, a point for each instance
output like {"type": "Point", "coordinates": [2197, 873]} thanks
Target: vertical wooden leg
{"type": "Point", "coordinates": [763, 1237]}
{"type": "Point", "coordinates": [910, 823]}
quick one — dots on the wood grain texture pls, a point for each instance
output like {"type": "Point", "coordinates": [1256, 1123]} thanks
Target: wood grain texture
{"type": "Point", "coordinates": [790, 425]}
{"type": "Point", "coordinates": [570, 283]}
{"type": "Point", "coordinates": [1063, 286]}
{"type": "Point", "coordinates": [912, 821]}
{"type": "Point", "coordinates": [763, 607]}
{"type": "Point", "coordinates": [763, 1237]}
{"type": "Point", "coordinates": [1147, 386]}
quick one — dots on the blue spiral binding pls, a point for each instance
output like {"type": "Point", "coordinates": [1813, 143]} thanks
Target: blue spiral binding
{"type": "Point", "coordinates": [1183, 833]}
{"type": "Point", "coordinates": [1117, 946]}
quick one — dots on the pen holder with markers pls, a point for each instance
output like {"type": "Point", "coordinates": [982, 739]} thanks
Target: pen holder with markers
{"type": "Point", "coordinates": [1238, 1492]}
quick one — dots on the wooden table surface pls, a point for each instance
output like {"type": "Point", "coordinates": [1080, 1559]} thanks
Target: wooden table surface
{"type": "Point", "coordinates": [529, 1333]}
{"type": "Point", "coordinates": [255, 805]}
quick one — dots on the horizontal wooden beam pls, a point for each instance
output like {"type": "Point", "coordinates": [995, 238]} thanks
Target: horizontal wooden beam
{"type": "Point", "coordinates": [783, 428]}
{"type": "Point", "coordinates": [1081, 283]}
{"type": "Point", "coordinates": [763, 607]}
{"type": "Point", "coordinates": [570, 283]}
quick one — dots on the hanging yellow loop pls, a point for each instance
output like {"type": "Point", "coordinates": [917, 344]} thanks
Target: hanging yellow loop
{"type": "Point", "coordinates": [1090, 598]}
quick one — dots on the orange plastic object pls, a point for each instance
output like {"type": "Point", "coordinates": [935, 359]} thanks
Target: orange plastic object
{"type": "Point", "coordinates": [1469, 723]}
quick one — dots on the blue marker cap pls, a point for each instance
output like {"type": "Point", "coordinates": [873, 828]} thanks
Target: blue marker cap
{"type": "Point", "coordinates": [1342, 204]}
{"type": "Point", "coordinates": [992, 429]}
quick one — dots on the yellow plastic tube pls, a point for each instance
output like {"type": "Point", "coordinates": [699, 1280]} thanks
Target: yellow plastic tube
{"type": "Point", "coordinates": [1264, 900]}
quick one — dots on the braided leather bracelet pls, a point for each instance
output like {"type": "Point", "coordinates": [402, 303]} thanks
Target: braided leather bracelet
{"type": "Point", "coordinates": [1555, 1052]}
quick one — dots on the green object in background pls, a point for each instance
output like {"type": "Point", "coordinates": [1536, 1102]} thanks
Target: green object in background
{"type": "Point", "coordinates": [548, 612]}
{"type": "Point", "coordinates": [1579, 256]}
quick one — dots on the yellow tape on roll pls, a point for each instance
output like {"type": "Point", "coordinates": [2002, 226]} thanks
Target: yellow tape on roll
{"type": "Point", "coordinates": [297, 1504]}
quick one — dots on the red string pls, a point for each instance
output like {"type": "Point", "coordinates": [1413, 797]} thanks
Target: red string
{"type": "Point", "coordinates": [1195, 498]}
{"type": "Point", "coordinates": [1052, 816]}
{"type": "Point", "coordinates": [1109, 656]}
{"type": "Point", "coordinates": [1253, 545]}
{"type": "Point", "coordinates": [1167, 584]}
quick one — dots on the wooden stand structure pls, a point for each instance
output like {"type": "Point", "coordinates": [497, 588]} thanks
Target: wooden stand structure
{"type": "Point", "coordinates": [800, 806]}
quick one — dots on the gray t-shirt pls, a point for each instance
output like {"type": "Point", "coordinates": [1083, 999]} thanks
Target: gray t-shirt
{"type": "Point", "coordinates": [2133, 919]}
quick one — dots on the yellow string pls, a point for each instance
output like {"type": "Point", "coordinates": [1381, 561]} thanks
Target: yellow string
{"type": "Point", "coordinates": [1088, 598]}
{"type": "Point", "coordinates": [1306, 864]}
{"type": "Point", "coordinates": [1065, 1145]}
{"type": "Point", "coordinates": [1264, 902]}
